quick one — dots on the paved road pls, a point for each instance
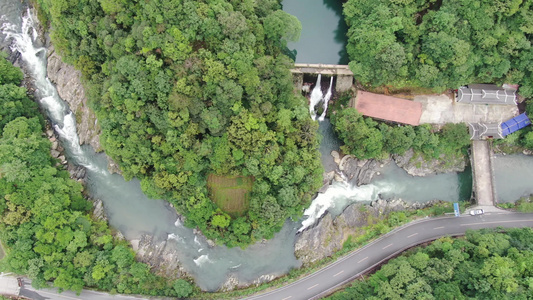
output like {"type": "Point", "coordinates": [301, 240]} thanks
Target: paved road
{"type": "Point", "coordinates": [43, 294]}
{"type": "Point", "coordinates": [356, 263]}
{"type": "Point", "coordinates": [346, 268]}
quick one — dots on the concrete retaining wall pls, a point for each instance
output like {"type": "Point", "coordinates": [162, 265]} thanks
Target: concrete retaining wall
{"type": "Point", "coordinates": [342, 72]}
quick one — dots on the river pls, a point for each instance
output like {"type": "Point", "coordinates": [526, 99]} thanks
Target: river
{"type": "Point", "coordinates": [323, 37]}
{"type": "Point", "coordinates": [513, 176]}
{"type": "Point", "coordinates": [130, 211]}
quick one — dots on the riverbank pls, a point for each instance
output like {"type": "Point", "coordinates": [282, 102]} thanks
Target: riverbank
{"type": "Point", "coordinates": [368, 234]}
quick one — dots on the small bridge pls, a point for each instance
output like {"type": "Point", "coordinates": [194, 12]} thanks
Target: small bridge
{"type": "Point", "coordinates": [342, 72]}
{"type": "Point", "coordinates": [482, 174]}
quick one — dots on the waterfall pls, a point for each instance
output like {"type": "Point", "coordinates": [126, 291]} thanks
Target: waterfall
{"type": "Point", "coordinates": [316, 96]}
{"type": "Point", "coordinates": [25, 41]}
{"type": "Point", "coordinates": [339, 194]}
{"type": "Point", "coordinates": [326, 100]}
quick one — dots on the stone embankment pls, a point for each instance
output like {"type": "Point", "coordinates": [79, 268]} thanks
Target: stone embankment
{"type": "Point", "coordinates": [57, 151]}
{"type": "Point", "coordinates": [232, 282]}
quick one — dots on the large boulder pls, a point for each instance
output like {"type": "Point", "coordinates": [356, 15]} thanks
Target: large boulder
{"type": "Point", "coordinates": [416, 165]}
{"type": "Point", "coordinates": [360, 171]}
{"type": "Point", "coordinates": [160, 255]}
{"type": "Point", "coordinates": [98, 210]}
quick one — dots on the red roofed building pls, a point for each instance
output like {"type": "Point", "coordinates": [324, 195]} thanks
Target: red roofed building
{"type": "Point", "coordinates": [388, 108]}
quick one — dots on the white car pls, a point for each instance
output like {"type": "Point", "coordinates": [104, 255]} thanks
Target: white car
{"type": "Point", "coordinates": [476, 212]}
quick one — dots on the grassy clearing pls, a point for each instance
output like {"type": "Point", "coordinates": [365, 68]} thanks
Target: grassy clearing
{"type": "Point", "coordinates": [230, 193]}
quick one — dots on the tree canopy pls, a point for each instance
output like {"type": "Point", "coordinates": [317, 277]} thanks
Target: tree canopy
{"type": "Point", "coordinates": [487, 264]}
{"type": "Point", "coordinates": [441, 44]}
{"type": "Point", "coordinates": [183, 89]}
{"type": "Point", "coordinates": [366, 138]}
{"type": "Point", "coordinates": [45, 222]}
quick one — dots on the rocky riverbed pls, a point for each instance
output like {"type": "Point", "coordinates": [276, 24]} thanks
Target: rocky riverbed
{"type": "Point", "coordinates": [416, 165]}
{"type": "Point", "coordinates": [328, 235]}
{"type": "Point", "coordinates": [361, 171]}
{"type": "Point", "coordinates": [69, 86]}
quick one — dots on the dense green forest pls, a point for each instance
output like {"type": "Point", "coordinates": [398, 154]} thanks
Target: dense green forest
{"type": "Point", "coordinates": [46, 227]}
{"type": "Point", "coordinates": [185, 89]}
{"type": "Point", "coordinates": [366, 138]}
{"type": "Point", "coordinates": [486, 264]}
{"type": "Point", "coordinates": [441, 44]}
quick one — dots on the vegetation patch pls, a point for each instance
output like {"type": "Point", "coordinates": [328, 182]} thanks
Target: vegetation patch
{"type": "Point", "coordinates": [366, 138]}
{"type": "Point", "coordinates": [524, 204]}
{"type": "Point", "coordinates": [440, 45]}
{"type": "Point", "coordinates": [184, 89]}
{"type": "Point", "coordinates": [46, 228]}
{"type": "Point", "coordinates": [486, 264]}
{"type": "Point", "coordinates": [230, 193]}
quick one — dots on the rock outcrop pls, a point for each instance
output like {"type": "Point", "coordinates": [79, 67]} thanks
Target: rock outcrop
{"type": "Point", "coordinates": [360, 171]}
{"type": "Point", "coordinates": [416, 165]}
{"type": "Point", "coordinates": [329, 234]}
{"type": "Point", "coordinates": [351, 169]}
{"type": "Point", "coordinates": [232, 282]}
{"type": "Point", "coordinates": [69, 87]}
{"type": "Point", "coordinates": [98, 210]}
{"type": "Point", "coordinates": [160, 255]}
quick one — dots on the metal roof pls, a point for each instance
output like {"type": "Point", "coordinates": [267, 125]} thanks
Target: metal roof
{"type": "Point", "coordinates": [388, 108]}
{"type": "Point", "coordinates": [515, 124]}
{"type": "Point", "coordinates": [486, 96]}
{"type": "Point", "coordinates": [480, 131]}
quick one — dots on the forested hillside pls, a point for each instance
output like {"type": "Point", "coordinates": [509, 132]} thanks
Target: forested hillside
{"type": "Point", "coordinates": [484, 265]}
{"type": "Point", "coordinates": [45, 226]}
{"type": "Point", "coordinates": [441, 44]}
{"type": "Point", "coordinates": [366, 138]}
{"type": "Point", "coordinates": [185, 89]}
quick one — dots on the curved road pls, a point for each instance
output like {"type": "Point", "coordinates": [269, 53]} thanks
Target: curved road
{"type": "Point", "coordinates": [51, 294]}
{"type": "Point", "coordinates": [346, 268]}
{"type": "Point", "coordinates": [358, 262]}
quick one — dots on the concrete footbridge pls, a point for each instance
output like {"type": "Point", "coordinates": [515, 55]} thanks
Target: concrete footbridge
{"type": "Point", "coordinates": [483, 175]}
{"type": "Point", "coordinates": [343, 74]}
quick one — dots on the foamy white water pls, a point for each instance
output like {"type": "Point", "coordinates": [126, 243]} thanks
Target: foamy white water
{"type": "Point", "coordinates": [339, 194]}
{"type": "Point", "coordinates": [202, 260]}
{"type": "Point", "coordinates": [326, 101]}
{"type": "Point", "coordinates": [316, 96]}
{"type": "Point", "coordinates": [25, 40]}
